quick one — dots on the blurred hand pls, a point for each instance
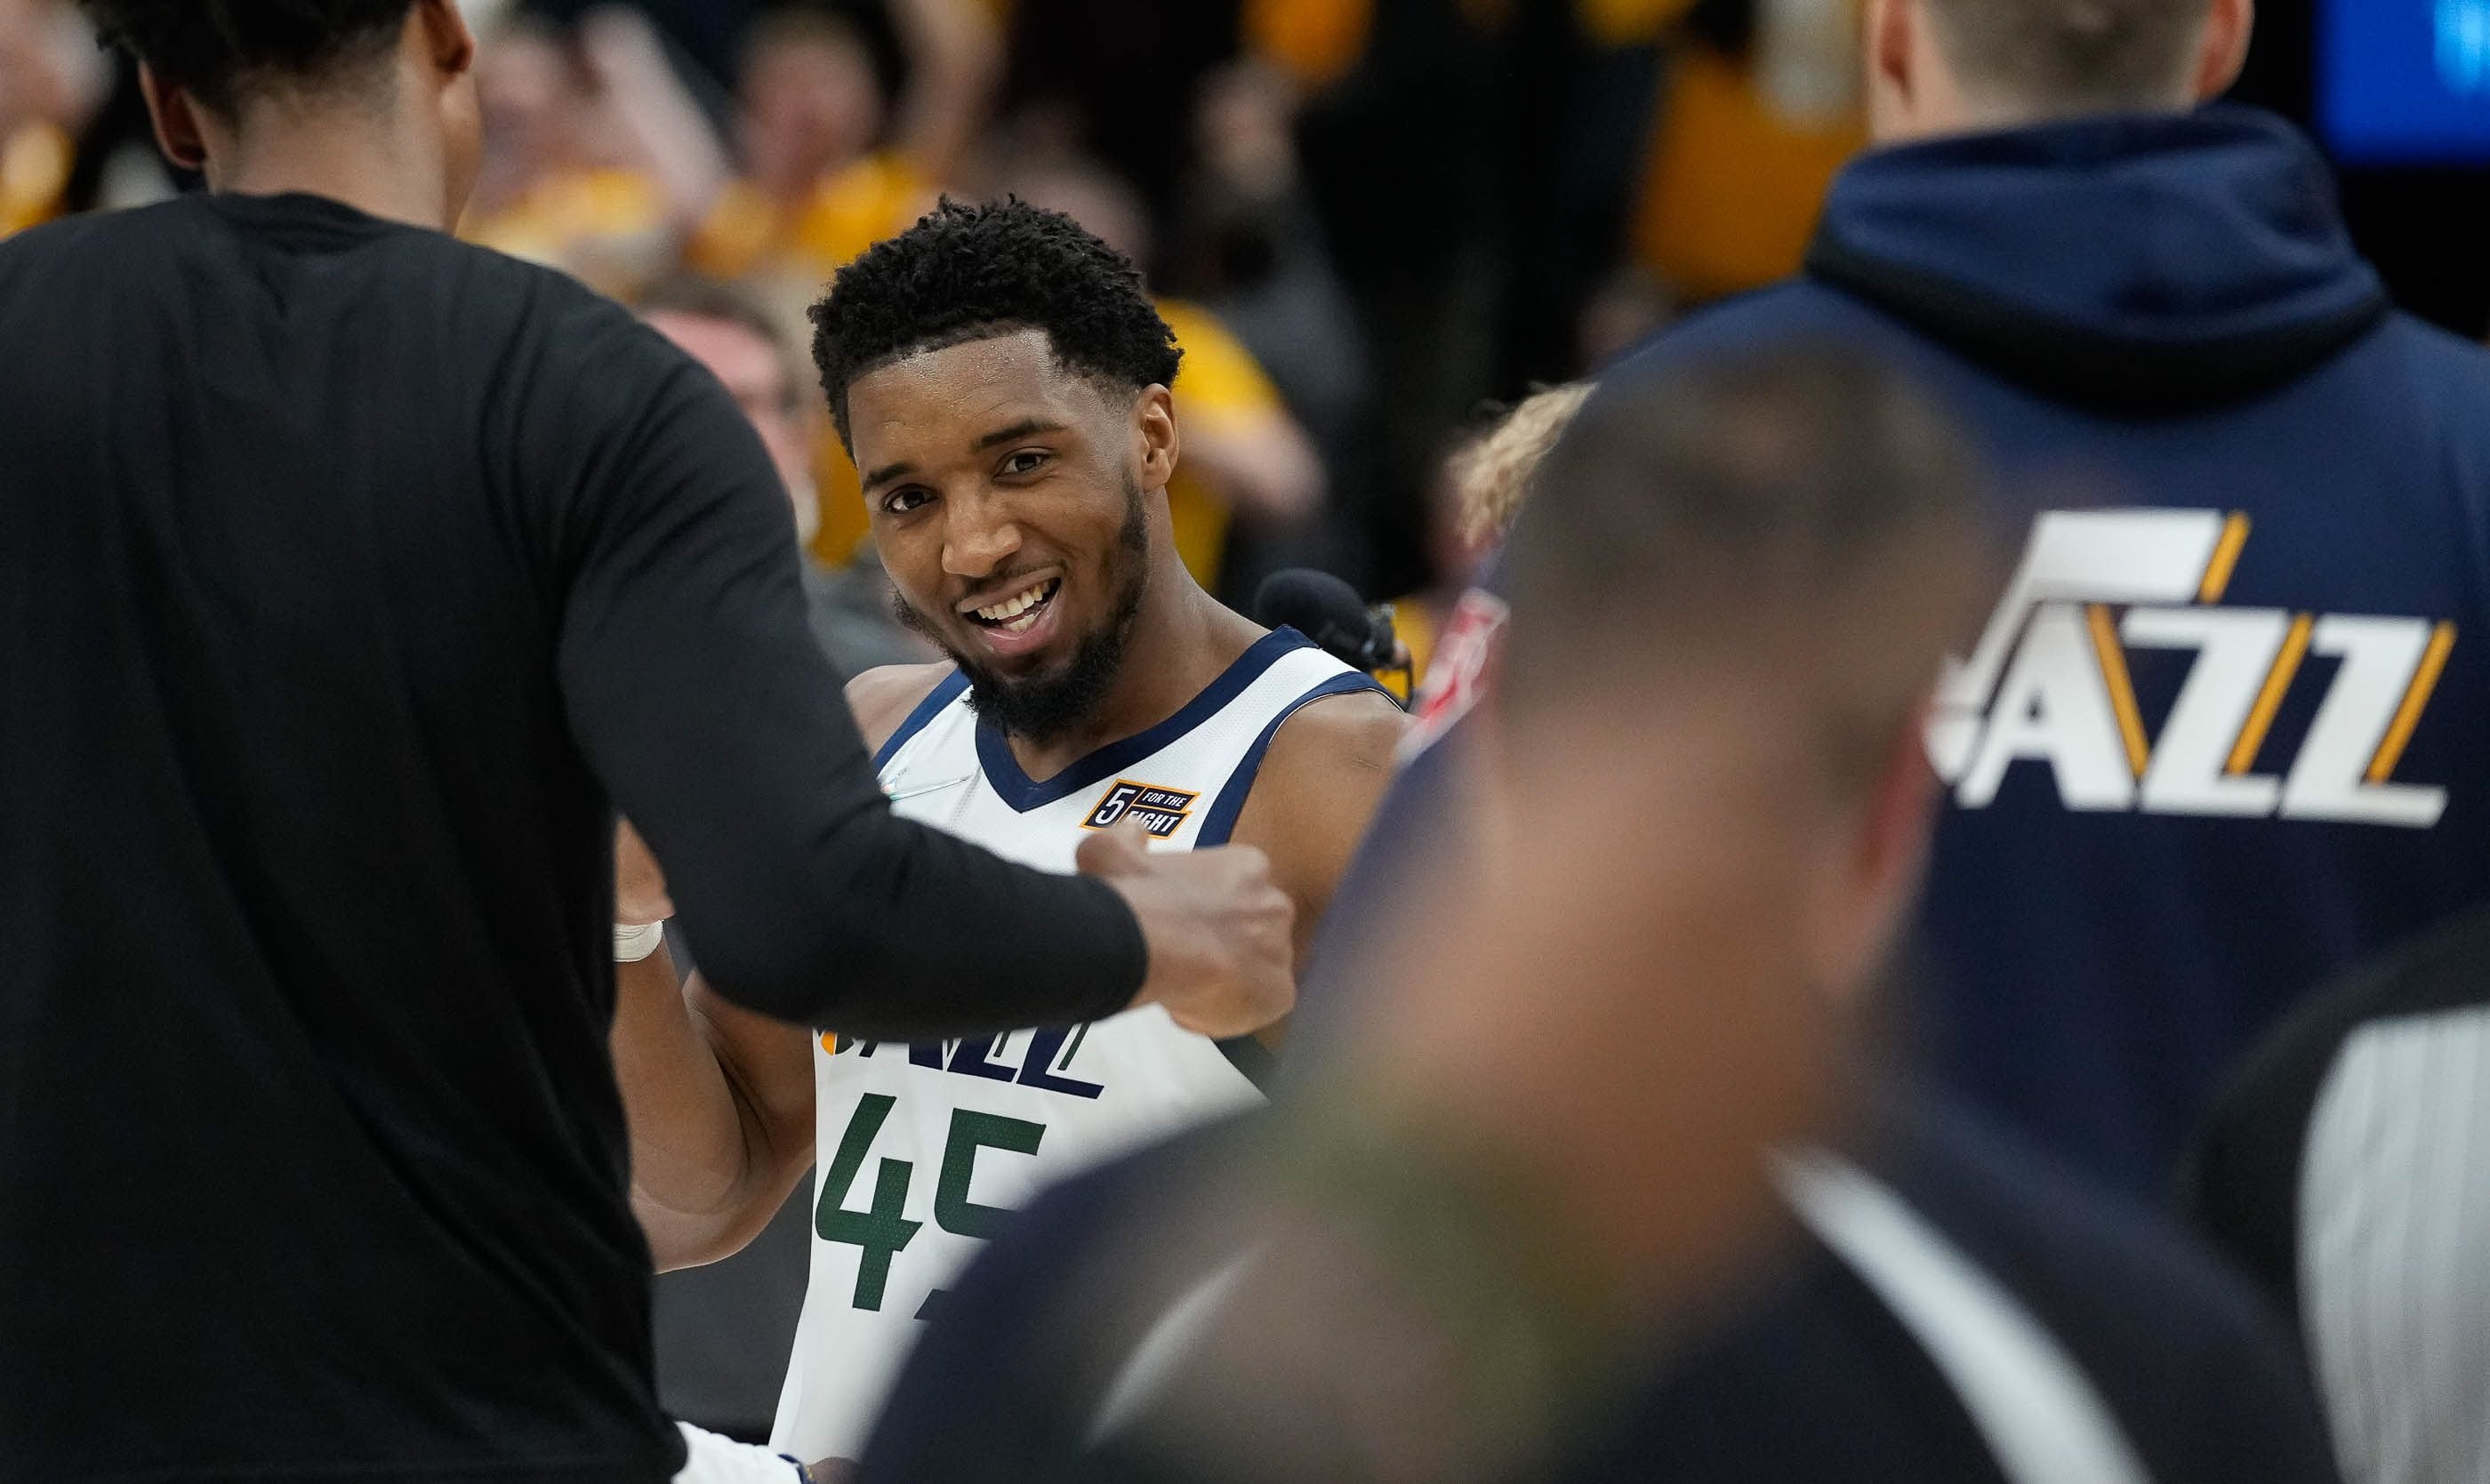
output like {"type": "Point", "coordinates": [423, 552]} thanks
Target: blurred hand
{"type": "Point", "coordinates": [1217, 930]}
{"type": "Point", "coordinates": [639, 886]}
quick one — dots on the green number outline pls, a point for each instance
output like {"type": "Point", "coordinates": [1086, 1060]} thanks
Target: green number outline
{"type": "Point", "coordinates": [970, 1132]}
{"type": "Point", "coordinates": [882, 1231]}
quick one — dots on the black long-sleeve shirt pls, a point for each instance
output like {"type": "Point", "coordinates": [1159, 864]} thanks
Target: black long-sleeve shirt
{"type": "Point", "coordinates": [350, 579]}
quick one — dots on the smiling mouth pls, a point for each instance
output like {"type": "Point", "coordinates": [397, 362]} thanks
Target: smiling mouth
{"type": "Point", "coordinates": [1020, 612]}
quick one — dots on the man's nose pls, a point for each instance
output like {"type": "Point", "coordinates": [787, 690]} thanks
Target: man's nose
{"type": "Point", "coordinates": [979, 535]}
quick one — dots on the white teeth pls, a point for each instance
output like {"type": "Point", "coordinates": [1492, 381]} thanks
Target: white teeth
{"type": "Point", "coordinates": [1013, 607]}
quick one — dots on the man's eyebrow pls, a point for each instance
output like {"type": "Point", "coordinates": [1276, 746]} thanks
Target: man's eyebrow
{"type": "Point", "coordinates": [1024, 428]}
{"type": "Point", "coordinates": [1018, 430]}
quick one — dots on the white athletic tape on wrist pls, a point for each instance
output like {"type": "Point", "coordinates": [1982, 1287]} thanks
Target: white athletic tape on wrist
{"type": "Point", "coordinates": [710, 1459]}
{"type": "Point", "coordinates": [634, 943]}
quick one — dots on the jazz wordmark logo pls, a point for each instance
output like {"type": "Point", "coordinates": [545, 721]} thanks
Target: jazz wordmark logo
{"type": "Point", "coordinates": [2049, 683]}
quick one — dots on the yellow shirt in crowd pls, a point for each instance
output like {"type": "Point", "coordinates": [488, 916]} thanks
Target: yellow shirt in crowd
{"type": "Point", "coordinates": [34, 170]}
{"type": "Point", "coordinates": [748, 234]}
{"type": "Point", "coordinates": [1732, 188]}
{"type": "Point", "coordinates": [1318, 41]}
{"type": "Point", "coordinates": [607, 227]}
{"type": "Point", "coordinates": [1219, 388]}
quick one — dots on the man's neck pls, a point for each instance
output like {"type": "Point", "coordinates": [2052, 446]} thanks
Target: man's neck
{"type": "Point", "coordinates": [1182, 640]}
{"type": "Point", "coordinates": [1983, 115]}
{"type": "Point", "coordinates": [372, 161]}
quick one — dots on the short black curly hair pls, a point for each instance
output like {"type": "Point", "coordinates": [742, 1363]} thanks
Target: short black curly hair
{"type": "Point", "coordinates": [968, 272]}
{"type": "Point", "coordinates": [216, 50]}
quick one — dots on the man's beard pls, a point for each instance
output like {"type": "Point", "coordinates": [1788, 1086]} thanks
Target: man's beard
{"type": "Point", "coordinates": [1041, 708]}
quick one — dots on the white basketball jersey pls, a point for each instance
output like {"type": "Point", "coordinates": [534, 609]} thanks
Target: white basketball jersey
{"type": "Point", "coordinates": [923, 1150]}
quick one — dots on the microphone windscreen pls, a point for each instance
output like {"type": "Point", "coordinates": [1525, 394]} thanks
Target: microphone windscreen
{"type": "Point", "coordinates": [1324, 609]}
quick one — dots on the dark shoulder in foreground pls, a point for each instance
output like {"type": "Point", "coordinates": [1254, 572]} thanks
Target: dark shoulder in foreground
{"type": "Point", "coordinates": [125, 245]}
{"type": "Point", "coordinates": [2201, 1372]}
{"type": "Point", "coordinates": [1812, 1379]}
{"type": "Point", "coordinates": [568, 364]}
{"type": "Point", "coordinates": [881, 698]}
{"type": "Point", "coordinates": [48, 273]}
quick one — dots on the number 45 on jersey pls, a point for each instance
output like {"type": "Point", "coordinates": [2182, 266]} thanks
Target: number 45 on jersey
{"type": "Point", "coordinates": [882, 1231]}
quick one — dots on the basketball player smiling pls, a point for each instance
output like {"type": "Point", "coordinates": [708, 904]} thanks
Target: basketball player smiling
{"type": "Point", "coordinates": [1005, 386]}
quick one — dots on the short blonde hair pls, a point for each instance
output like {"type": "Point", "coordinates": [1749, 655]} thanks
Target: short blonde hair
{"type": "Point", "coordinates": [1491, 472]}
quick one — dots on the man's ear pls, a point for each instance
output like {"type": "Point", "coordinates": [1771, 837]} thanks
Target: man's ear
{"type": "Point", "coordinates": [1892, 55]}
{"type": "Point", "coordinates": [1879, 881]}
{"type": "Point", "coordinates": [1902, 809]}
{"type": "Point", "coordinates": [175, 118]}
{"type": "Point", "coordinates": [1154, 422]}
{"type": "Point", "coordinates": [2228, 30]}
{"type": "Point", "coordinates": [452, 45]}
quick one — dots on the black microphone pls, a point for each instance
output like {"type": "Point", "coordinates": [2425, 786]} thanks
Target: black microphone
{"type": "Point", "coordinates": [1328, 611]}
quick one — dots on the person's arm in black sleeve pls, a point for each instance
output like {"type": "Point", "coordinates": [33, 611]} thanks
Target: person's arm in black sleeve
{"type": "Point", "coordinates": [698, 697]}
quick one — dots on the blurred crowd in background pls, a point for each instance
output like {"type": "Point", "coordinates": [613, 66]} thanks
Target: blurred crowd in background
{"type": "Point", "coordinates": [1367, 219]}
{"type": "Point", "coordinates": [1369, 222]}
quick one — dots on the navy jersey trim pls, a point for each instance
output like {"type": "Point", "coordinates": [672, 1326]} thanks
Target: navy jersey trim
{"type": "Point", "coordinates": [1253, 1060]}
{"type": "Point", "coordinates": [917, 721]}
{"type": "Point", "coordinates": [1220, 821]}
{"type": "Point", "coordinates": [1022, 793]}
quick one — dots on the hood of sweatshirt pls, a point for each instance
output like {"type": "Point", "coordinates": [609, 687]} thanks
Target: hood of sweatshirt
{"type": "Point", "coordinates": [2136, 262]}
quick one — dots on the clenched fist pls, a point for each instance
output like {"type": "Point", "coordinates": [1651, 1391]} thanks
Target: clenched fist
{"type": "Point", "coordinates": [1219, 931]}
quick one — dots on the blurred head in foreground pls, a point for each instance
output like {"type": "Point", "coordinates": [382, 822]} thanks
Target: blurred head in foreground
{"type": "Point", "coordinates": [1696, 812]}
{"type": "Point", "coordinates": [1762, 561]}
{"type": "Point", "coordinates": [1937, 66]}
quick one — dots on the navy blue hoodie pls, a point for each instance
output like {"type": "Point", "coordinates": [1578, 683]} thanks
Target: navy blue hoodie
{"type": "Point", "coordinates": [2228, 731]}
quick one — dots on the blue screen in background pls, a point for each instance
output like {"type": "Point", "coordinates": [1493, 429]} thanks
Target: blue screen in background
{"type": "Point", "coordinates": [2404, 81]}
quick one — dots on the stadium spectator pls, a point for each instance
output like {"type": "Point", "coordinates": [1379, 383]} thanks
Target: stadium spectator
{"type": "Point", "coordinates": [729, 332]}
{"type": "Point", "coordinates": [554, 186]}
{"type": "Point", "coordinates": [1475, 499]}
{"type": "Point", "coordinates": [1543, 1124]}
{"type": "Point", "coordinates": [1247, 248]}
{"type": "Point", "coordinates": [1759, 107]}
{"type": "Point", "coordinates": [1490, 475]}
{"type": "Point", "coordinates": [1471, 166]}
{"type": "Point", "coordinates": [705, 32]}
{"type": "Point", "coordinates": [829, 165]}
{"type": "Point", "coordinates": [2347, 1169]}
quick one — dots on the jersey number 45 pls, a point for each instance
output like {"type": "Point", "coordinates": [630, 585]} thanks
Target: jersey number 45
{"type": "Point", "coordinates": [882, 1231]}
